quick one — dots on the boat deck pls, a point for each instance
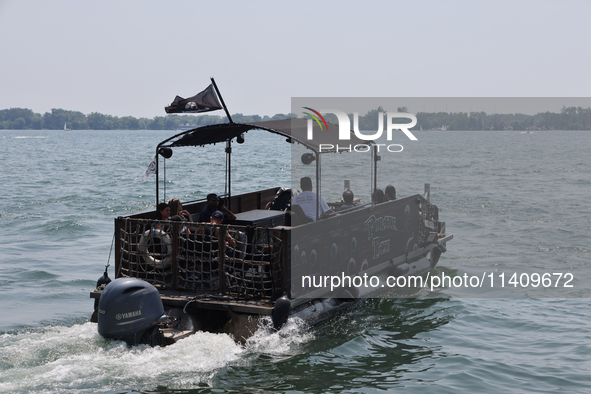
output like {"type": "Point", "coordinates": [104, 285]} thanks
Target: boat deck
{"type": "Point", "coordinates": [204, 300]}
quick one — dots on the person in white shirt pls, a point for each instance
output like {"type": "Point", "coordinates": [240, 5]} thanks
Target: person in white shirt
{"type": "Point", "coordinates": [307, 200]}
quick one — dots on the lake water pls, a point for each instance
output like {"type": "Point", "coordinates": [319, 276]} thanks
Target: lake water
{"type": "Point", "coordinates": [516, 203]}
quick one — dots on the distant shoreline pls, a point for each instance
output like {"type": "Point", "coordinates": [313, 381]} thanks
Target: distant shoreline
{"type": "Point", "coordinates": [569, 118]}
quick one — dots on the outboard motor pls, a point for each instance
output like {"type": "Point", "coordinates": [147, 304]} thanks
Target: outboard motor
{"type": "Point", "coordinates": [130, 309]}
{"type": "Point", "coordinates": [103, 280]}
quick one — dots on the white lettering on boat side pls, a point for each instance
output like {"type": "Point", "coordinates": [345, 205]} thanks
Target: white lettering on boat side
{"type": "Point", "coordinates": [383, 223]}
{"type": "Point", "coordinates": [128, 315]}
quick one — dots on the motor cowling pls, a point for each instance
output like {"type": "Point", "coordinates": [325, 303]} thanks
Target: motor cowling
{"type": "Point", "coordinates": [129, 309]}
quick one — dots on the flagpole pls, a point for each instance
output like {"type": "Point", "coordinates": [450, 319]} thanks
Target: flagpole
{"type": "Point", "coordinates": [221, 99]}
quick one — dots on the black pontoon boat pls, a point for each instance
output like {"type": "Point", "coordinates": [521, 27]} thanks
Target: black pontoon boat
{"type": "Point", "coordinates": [279, 261]}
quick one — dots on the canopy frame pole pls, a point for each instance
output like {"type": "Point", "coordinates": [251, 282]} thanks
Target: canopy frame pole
{"type": "Point", "coordinates": [318, 185]}
{"type": "Point", "coordinates": [375, 158]}
{"type": "Point", "coordinates": [157, 173]}
{"type": "Point", "coordinates": [158, 176]}
{"type": "Point", "coordinates": [228, 187]}
{"type": "Point", "coordinates": [229, 172]}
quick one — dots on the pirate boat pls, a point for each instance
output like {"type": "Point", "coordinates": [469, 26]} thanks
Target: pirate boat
{"type": "Point", "coordinates": [174, 278]}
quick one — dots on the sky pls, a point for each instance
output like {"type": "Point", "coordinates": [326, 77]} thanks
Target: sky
{"type": "Point", "coordinates": [131, 58]}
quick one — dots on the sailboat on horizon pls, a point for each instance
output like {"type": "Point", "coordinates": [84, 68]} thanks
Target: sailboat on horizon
{"type": "Point", "coordinates": [66, 127]}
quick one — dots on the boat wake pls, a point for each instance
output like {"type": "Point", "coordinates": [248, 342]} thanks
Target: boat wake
{"type": "Point", "coordinates": [280, 343]}
{"type": "Point", "coordinates": [78, 359]}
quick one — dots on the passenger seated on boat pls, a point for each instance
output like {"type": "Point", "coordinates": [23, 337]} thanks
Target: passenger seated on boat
{"type": "Point", "coordinates": [390, 193]}
{"type": "Point", "coordinates": [378, 196]}
{"type": "Point", "coordinates": [297, 216]}
{"type": "Point", "coordinates": [348, 197]}
{"type": "Point", "coordinates": [183, 229]}
{"type": "Point", "coordinates": [176, 209]}
{"type": "Point", "coordinates": [216, 218]}
{"type": "Point", "coordinates": [162, 213]}
{"type": "Point", "coordinates": [307, 200]}
{"type": "Point", "coordinates": [238, 243]}
{"type": "Point", "coordinates": [178, 214]}
{"type": "Point", "coordinates": [214, 204]}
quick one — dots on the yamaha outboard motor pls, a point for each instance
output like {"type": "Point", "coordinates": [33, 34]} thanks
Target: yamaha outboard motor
{"type": "Point", "coordinates": [129, 309]}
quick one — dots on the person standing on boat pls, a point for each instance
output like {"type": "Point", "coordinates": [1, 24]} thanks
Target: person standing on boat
{"type": "Point", "coordinates": [214, 204]}
{"type": "Point", "coordinates": [307, 200]}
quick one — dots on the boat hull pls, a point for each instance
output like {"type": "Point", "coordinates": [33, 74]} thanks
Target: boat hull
{"type": "Point", "coordinates": [206, 285]}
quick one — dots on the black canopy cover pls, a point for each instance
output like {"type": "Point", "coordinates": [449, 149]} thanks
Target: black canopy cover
{"type": "Point", "coordinates": [295, 129]}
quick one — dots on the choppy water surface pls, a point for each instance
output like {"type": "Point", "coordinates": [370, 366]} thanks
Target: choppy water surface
{"type": "Point", "coordinates": [514, 202]}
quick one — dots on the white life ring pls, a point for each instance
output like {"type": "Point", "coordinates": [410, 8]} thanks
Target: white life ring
{"type": "Point", "coordinates": [156, 237]}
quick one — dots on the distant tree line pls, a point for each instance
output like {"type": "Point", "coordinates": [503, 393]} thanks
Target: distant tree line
{"type": "Point", "coordinates": [569, 118]}
{"type": "Point", "coordinates": [23, 118]}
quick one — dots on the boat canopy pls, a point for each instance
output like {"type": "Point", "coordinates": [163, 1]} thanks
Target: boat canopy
{"type": "Point", "coordinates": [294, 129]}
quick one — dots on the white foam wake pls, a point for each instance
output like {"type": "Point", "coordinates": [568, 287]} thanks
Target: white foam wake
{"type": "Point", "coordinates": [78, 359]}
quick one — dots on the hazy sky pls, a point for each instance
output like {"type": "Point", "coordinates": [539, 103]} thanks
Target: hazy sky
{"type": "Point", "coordinates": [132, 57]}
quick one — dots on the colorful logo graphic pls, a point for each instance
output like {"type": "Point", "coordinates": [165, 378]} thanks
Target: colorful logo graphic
{"type": "Point", "coordinates": [315, 118]}
{"type": "Point", "coordinates": [345, 124]}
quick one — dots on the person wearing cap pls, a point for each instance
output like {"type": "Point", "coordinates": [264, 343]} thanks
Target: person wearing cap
{"type": "Point", "coordinates": [214, 204]}
{"type": "Point", "coordinates": [216, 218]}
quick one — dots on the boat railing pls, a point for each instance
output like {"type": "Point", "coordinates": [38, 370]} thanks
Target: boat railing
{"type": "Point", "coordinates": [429, 225]}
{"type": "Point", "coordinates": [191, 257]}
{"type": "Point", "coordinates": [236, 203]}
